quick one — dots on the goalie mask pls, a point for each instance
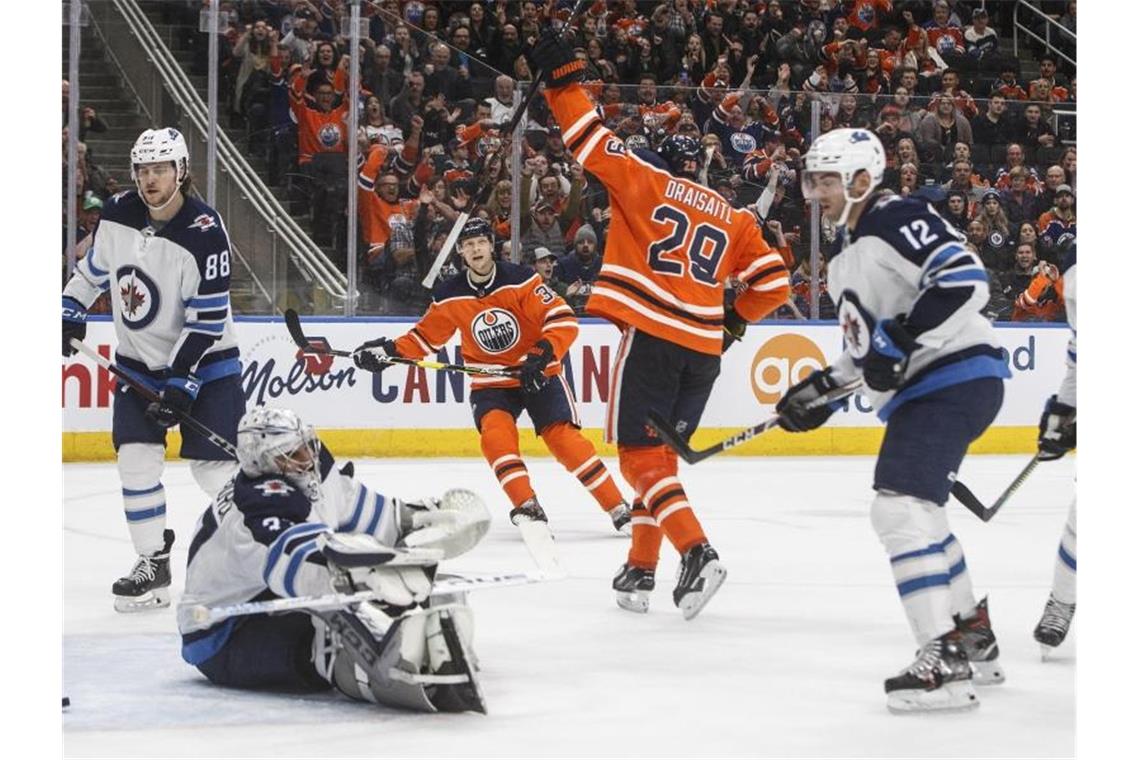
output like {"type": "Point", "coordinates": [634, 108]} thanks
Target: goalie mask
{"type": "Point", "coordinates": [274, 441]}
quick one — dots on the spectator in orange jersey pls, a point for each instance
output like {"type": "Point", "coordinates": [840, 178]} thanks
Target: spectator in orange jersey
{"type": "Point", "coordinates": [508, 318]}
{"type": "Point", "coordinates": [1015, 157]}
{"type": "Point", "coordinates": [1043, 300]}
{"type": "Point", "coordinates": [1007, 83]}
{"type": "Point", "coordinates": [378, 190]}
{"type": "Point", "coordinates": [1060, 220]}
{"type": "Point", "coordinates": [322, 146]}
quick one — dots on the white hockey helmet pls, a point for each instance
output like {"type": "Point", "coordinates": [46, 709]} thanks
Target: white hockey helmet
{"type": "Point", "coordinates": [268, 440]}
{"type": "Point", "coordinates": [160, 145]}
{"type": "Point", "coordinates": [845, 152]}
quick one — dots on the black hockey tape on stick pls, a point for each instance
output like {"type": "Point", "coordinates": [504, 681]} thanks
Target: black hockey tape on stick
{"type": "Point", "coordinates": [484, 192]}
{"type": "Point", "coordinates": [967, 499]}
{"type": "Point", "coordinates": [674, 440]}
{"type": "Point", "coordinates": [183, 419]}
{"type": "Point", "coordinates": [293, 324]}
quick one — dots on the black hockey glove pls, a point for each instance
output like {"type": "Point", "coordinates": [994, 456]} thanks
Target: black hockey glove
{"type": "Point", "coordinates": [555, 59]}
{"type": "Point", "coordinates": [367, 355]}
{"type": "Point", "coordinates": [887, 357]}
{"type": "Point", "coordinates": [531, 373]}
{"type": "Point", "coordinates": [734, 327]}
{"type": "Point", "coordinates": [1057, 430]}
{"type": "Point", "coordinates": [796, 410]}
{"type": "Point", "coordinates": [177, 397]}
{"type": "Point", "coordinates": [74, 324]}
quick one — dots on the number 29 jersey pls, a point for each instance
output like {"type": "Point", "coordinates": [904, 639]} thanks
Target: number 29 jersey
{"type": "Point", "coordinates": [672, 243]}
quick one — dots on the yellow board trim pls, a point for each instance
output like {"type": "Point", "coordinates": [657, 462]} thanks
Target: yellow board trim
{"type": "Point", "coordinates": [96, 447]}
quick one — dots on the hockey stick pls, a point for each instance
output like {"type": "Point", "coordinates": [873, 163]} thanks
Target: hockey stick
{"type": "Point", "coordinates": [203, 614]}
{"type": "Point", "coordinates": [487, 187]}
{"type": "Point", "coordinates": [293, 323]}
{"type": "Point", "coordinates": [151, 395]}
{"type": "Point", "coordinates": [967, 499]}
{"type": "Point", "coordinates": [674, 440]}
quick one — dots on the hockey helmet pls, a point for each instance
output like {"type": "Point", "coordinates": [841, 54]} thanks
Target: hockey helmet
{"type": "Point", "coordinates": [845, 152]}
{"type": "Point", "coordinates": [476, 227]}
{"type": "Point", "coordinates": [677, 150]}
{"type": "Point", "coordinates": [159, 145]}
{"type": "Point", "coordinates": [268, 442]}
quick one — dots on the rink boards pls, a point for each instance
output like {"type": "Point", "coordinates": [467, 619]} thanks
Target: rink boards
{"type": "Point", "coordinates": [411, 412]}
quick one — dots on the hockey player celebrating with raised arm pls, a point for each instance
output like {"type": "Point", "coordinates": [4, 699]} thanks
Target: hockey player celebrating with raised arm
{"type": "Point", "coordinates": [1057, 436]}
{"type": "Point", "coordinates": [165, 257]}
{"type": "Point", "coordinates": [289, 524]}
{"type": "Point", "coordinates": [909, 298]}
{"type": "Point", "coordinates": [507, 317]}
{"type": "Point", "coordinates": [672, 244]}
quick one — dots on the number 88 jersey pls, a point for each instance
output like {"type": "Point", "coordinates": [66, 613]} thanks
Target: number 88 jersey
{"type": "Point", "coordinates": [672, 243]}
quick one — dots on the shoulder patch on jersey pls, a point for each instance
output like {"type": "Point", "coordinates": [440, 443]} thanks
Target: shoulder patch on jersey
{"type": "Point", "coordinates": [270, 494]}
{"type": "Point", "coordinates": [274, 487]}
{"type": "Point", "coordinates": [203, 222]}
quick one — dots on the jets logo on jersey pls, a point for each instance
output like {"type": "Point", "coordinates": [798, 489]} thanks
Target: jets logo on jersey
{"type": "Point", "coordinates": [855, 323]}
{"type": "Point", "coordinates": [329, 135]}
{"type": "Point", "coordinates": [138, 297]}
{"type": "Point", "coordinates": [495, 330]}
{"type": "Point", "coordinates": [274, 488]}
{"type": "Point", "coordinates": [203, 222]}
{"type": "Point", "coordinates": [742, 142]}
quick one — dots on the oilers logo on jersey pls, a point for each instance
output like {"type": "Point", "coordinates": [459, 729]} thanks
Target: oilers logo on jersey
{"type": "Point", "coordinates": [329, 135]}
{"type": "Point", "coordinates": [743, 142]}
{"type": "Point", "coordinates": [138, 297]}
{"type": "Point", "coordinates": [495, 330]}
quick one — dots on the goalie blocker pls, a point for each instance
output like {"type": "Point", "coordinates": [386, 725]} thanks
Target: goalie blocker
{"type": "Point", "coordinates": [291, 525]}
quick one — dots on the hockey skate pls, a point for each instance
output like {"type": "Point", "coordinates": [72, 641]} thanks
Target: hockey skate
{"type": "Point", "coordinates": [1054, 625]}
{"type": "Point", "coordinates": [633, 586]}
{"type": "Point", "coordinates": [148, 584]}
{"type": "Point", "coordinates": [530, 511]}
{"type": "Point", "coordinates": [938, 679]}
{"type": "Point", "coordinates": [698, 578]}
{"type": "Point", "coordinates": [621, 519]}
{"type": "Point", "coordinates": [981, 647]}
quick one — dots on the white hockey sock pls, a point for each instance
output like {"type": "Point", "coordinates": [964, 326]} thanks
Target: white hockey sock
{"type": "Point", "coordinates": [144, 498]}
{"type": "Point", "coordinates": [907, 526]}
{"type": "Point", "coordinates": [962, 600]}
{"type": "Point", "coordinates": [1065, 569]}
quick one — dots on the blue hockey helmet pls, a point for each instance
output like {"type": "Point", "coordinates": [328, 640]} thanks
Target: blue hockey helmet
{"type": "Point", "coordinates": [679, 150]}
{"type": "Point", "coordinates": [476, 227]}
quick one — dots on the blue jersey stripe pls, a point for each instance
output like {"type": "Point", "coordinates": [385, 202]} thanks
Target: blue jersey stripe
{"type": "Point", "coordinates": [295, 566]}
{"type": "Point", "coordinates": [974, 274]}
{"type": "Point", "coordinates": [1067, 558]}
{"type": "Point", "coordinates": [279, 544]}
{"type": "Point", "coordinates": [208, 327]}
{"type": "Point", "coordinates": [377, 510]}
{"type": "Point", "coordinates": [145, 514]}
{"type": "Point", "coordinates": [974, 368]}
{"type": "Point", "coordinates": [925, 581]}
{"type": "Point", "coordinates": [357, 511]}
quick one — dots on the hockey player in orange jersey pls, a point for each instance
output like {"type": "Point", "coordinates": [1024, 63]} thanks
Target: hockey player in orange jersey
{"type": "Point", "coordinates": [507, 317]}
{"type": "Point", "coordinates": [671, 245]}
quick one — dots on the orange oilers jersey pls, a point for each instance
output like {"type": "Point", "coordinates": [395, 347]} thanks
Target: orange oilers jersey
{"type": "Point", "coordinates": [376, 214]}
{"type": "Point", "coordinates": [672, 243]}
{"type": "Point", "coordinates": [317, 131]}
{"type": "Point", "coordinates": [499, 322]}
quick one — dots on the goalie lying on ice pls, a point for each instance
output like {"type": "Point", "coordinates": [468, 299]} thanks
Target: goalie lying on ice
{"type": "Point", "coordinates": [289, 524]}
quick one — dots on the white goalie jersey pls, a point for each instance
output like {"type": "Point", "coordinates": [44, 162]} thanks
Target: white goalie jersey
{"type": "Point", "coordinates": [904, 260]}
{"type": "Point", "coordinates": [170, 287]}
{"type": "Point", "coordinates": [258, 540]}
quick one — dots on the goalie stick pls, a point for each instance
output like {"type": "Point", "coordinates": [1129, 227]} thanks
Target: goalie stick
{"type": "Point", "coordinates": [209, 615]}
{"type": "Point", "coordinates": [674, 440]}
{"type": "Point", "coordinates": [967, 499]}
{"type": "Point", "coordinates": [484, 193]}
{"type": "Point", "coordinates": [293, 324]}
{"type": "Point", "coordinates": [150, 395]}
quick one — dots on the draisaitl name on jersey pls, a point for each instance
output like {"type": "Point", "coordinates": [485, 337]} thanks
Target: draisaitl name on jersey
{"type": "Point", "coordinates": [699, 199]}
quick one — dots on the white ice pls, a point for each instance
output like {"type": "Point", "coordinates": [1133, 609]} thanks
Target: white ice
{"type": "Point", "coordinates": [787, 660]}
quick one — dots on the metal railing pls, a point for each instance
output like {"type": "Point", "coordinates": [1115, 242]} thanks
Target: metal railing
{"type": "Point", "coordinates": [1047, 40]}
{"type": "Point", "coordinates": [286, 269]}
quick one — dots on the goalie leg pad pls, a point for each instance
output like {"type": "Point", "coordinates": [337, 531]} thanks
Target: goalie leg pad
{"type": "Point", "coordinates": [144, 499]}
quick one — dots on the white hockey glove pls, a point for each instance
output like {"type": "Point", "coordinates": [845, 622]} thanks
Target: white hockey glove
{"type": "Point", "coordinates": [400, 577]}
{"type": "Point", "coordinates": [453, 523]}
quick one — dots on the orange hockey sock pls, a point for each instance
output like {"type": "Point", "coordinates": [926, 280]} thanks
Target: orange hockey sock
{"type": "Point", "coordinates": [578, 455]}
{"type": "Point", "coordinates": [645, 549]}
{"type": "Point", "coordinates": [653, 472]}
{"type": "Point", "coordinates": [499, 440]}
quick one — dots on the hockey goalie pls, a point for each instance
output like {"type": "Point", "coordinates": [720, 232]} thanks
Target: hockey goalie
{"type": "Point", "coordinates": [290, 524]}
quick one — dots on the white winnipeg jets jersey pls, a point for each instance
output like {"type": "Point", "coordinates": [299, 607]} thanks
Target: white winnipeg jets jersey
{"type": "Point", "coordinates": [904, 260]}
{"type": "Point", "coordinates": [258, 540]}
{"type": "Point", "coordinates": [1068, 392]}
{"type": "Point", "coordinates": [169, 287]}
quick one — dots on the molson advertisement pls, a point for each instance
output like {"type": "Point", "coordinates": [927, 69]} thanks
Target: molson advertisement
{"type": "Point", "coordinates": [408, 411]}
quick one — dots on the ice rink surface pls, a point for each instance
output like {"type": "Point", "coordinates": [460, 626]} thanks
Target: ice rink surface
{"type": "Point", "coordinates": [787, 660]}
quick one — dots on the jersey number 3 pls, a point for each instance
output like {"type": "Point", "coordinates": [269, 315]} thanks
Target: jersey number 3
{"type": "Point", "coordinates": [703, 252]}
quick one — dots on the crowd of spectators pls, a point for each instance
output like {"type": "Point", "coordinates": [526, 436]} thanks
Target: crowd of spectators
{"type": "Point", "coordinates": [961, 126]}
